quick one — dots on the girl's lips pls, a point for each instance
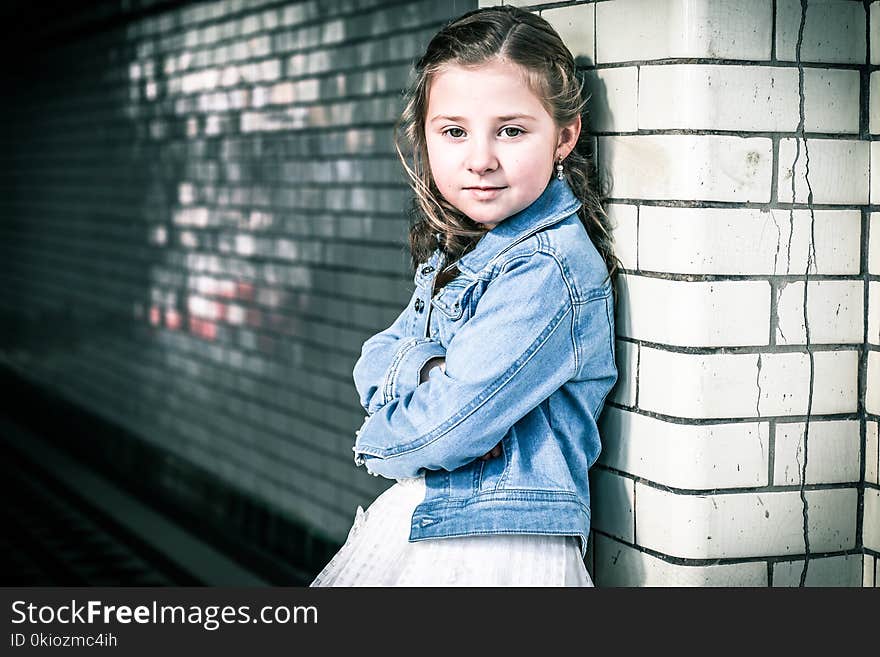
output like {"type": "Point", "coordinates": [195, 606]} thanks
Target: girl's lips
{"type": "Point", "coordinates": [485, 194]}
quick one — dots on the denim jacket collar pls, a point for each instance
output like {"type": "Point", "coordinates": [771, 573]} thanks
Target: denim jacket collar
{"type": "Point", "coordinates": [556, 202]}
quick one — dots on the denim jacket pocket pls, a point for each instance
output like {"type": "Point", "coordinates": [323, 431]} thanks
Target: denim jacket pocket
{"type": "Point", "coordinates": [454, 307]}
{"type": "Point", "coordinates": [492, 470]}
{"type": "Point", "coordinates": [454, 298]}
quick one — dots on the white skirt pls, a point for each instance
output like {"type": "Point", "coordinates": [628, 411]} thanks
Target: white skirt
{"type": "Point", "coordinates": [378, 552]}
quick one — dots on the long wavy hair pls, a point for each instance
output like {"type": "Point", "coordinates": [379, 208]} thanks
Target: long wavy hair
{"type": "Point", "coordinates": [476, 38]}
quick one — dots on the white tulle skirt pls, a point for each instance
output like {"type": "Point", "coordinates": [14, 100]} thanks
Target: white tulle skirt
{"type": "Point", "coordinates": [378, 552]}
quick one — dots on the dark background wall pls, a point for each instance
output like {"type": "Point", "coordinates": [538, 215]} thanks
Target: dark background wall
{"type": "Point", "coordinates": [201, 220]}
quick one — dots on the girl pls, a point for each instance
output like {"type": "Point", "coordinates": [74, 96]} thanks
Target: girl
{"type": "Point", "coordinates": [483, 396]}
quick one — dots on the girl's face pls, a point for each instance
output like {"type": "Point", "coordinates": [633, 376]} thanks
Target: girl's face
{"type": "Point", "coordinates": [486, 129]}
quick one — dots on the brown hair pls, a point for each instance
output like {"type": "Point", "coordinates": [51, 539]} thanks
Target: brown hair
{"type": "Point", "coordinates": [475, 38]}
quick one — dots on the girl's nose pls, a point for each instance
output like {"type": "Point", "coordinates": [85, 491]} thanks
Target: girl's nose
{"type": "Point", "coordinates": [481, 159]}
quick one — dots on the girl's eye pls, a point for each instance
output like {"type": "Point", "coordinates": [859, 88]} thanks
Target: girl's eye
{"type": "Point", "coordinates": [449, 132]}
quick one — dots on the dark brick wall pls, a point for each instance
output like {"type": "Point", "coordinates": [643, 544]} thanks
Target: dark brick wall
{"type": "Point", "coordinates": [202, 221]}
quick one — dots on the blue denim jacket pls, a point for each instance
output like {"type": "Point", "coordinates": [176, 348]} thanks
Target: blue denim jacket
{"type": "Point", "coordinates": [527, 330]}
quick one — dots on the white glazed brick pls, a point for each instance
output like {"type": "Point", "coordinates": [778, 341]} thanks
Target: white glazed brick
{"type": "Point", "coordinates": [867, 571]}
{"type": "Point", "coordinates": [785, 383]}
{"type": "Point", "coordinates": [746, 385]}
{"type": "Point", "coordinates": [713, 97]}
{"type": "Point", "coordinates": [831, 101]}
{"type": "Point", "coordinates": [874, 243]}
{"type": "Point", "coordinates": [838, 170]}
{"type": "Point", "coordinates": [743, 524]}
{"type": "Point", "coordinates": [577, 28]}
{"type": "Point", "coordinates": [618, 564]}
{"type": "Point", "coordinates": [875, 172]}
{"type": "Point", "coordinates": [874, 102]}
{"type": "Point", "coordinates": [872, 389]}
{"type": "Point", "coordinates": [833, 450]}
{"type": "Point", "coordinates": [689, 456]}
{"type": "Point", "coordinates": [872, 452]}
{"type": "Point", "coordinates": [747, 241]}
{"type": "Point", "coordinates": [834, 31]}
{"type": "Point", "coordinates": [627, 359]}
{"type": "Point", "coordinates": [835, 313]}
{"type": "Point", "coordinates": [874, 313]}
{"type": "Point", "coordinates": [837, 241]}
{"type": "Point", "coordinates": [614, 94]}
{"type": "Point", "coordinates": [632, 30]}
{"type": "Point", "coordinates": [705, 385]}
{"type": "Point", "coordinates": [871, 527]}
{"type": "Point", "coordinates": [696, 314]}
{"type": "Point", "coordinates": [689, 167]}
{"type": "Point", "coordinates": [612, 503]}
{"type": "Point", "coordinates": [839, 570]}
{"type": "Point", "coordinates": [624, 220]}
{"type": "Point", "coordinates": [832, 519]}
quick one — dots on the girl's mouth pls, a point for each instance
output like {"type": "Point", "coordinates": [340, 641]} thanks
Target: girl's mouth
{"type": "Point", "coordinates": [484, 193]}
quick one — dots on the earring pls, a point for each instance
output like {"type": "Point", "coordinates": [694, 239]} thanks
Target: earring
{"type": "Point", "coordinates": [559, 174]}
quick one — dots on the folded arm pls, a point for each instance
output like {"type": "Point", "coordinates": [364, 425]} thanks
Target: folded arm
{"type": "Point", "coordinates": [514, 352]}
{"type": "Point", "coordinates": [391, 361]}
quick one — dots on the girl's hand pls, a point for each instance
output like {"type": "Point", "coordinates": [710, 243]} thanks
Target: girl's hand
{"type": "Point", "coordinates": [492, 453]}
{"type": "Point", "coordinates": [438, 361]}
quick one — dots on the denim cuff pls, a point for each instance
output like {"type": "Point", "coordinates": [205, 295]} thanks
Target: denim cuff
{"type": "Point", "coordinates": [404, 373]}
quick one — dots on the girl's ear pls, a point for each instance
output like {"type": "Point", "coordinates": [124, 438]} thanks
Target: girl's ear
{"type": "Point", "coordinates": [568, 136]}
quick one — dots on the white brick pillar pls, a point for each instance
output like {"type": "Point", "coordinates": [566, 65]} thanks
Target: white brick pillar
{"type": "Point", "coordinates": [737, 447]}
{"type": "Point", "coordinates": [741, 443]}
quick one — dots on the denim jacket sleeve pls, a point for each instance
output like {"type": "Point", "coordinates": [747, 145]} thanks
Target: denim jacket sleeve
{"type": "Point", "coordinates": [391, 361]}
{"type": "Point", "coordinates": [514, 352]}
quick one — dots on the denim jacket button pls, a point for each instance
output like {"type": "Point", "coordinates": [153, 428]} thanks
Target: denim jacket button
{"type": "Point", "coordinates": [427, 270]}
{"type": "Point", "coordinates": [419, 305]}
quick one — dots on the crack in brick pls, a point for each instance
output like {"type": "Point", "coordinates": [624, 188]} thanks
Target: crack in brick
{"type": "Point", "coordinates": [779, 288]}
{"type": "Point", "coordinates": [779, 244]}
{"type": "Point", "coordinates": [760, 443]}
{"type": "Point", "coordinates": [811, 254]}
{"type": "Point", "coordinates": [758, 381]}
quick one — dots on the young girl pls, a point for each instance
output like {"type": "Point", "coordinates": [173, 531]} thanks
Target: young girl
{"type": "Point", "coordinates": [483, 396]}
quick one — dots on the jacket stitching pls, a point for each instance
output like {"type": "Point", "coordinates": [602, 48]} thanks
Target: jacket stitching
{"type": "Point", "coordinates": [546, 249]}
{"type": "Point", "coordinates": [506, 471]}
{"type": "Point", "coordinates": [391, 379]}
{"type": "Point", "coordinates": [511, 494]}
